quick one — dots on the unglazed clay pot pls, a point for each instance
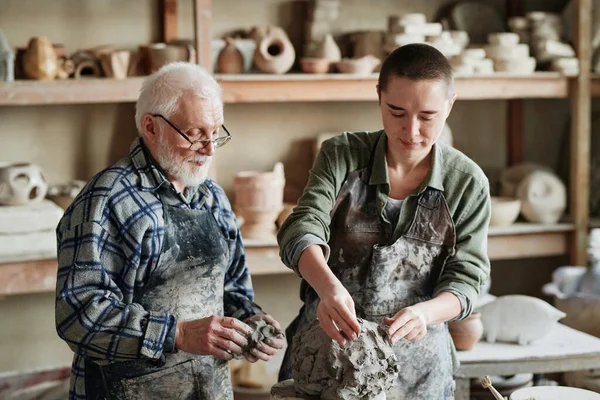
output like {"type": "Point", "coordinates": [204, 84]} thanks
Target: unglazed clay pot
{"type": "Point", "coordinates": [21, 183]}
{"type": "Point", "coordinates": [329, 49]}
{"type": "Point", "coordinates": [160, 54]}
{"type": "Point", "coordinates": [40, 61]}
{"type": "Point", "coordinates": [274, 52]}
{"type": "Point", "coordinates": [259, 201]}
{"type": "Point", "coordinates": [230, 59]}
{"type": "Point", "coordinates": [466, 333]}
{"type": "Point", "coordinates": [115, 64]}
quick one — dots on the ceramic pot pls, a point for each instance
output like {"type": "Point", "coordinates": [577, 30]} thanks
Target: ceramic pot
{"type": "Point", "coordinates": [505, 211]}
{"type": "Point", "coordinates": [259, 201]}
{"type": "Point", "coordinates": [40, 61]}
{"type": "Point", "coordinates": [315, 65]}
{"type": "Point", "coordinates": [466, 333]}
{"type": "Point", "coordinates": [359, 66]}
{"type": "Point", "coordinates": [160, 54]}
{"type": "Point", "coordinates": [274, 52]}
{"type": "Point", "coordinates": [230, 59]}
{"type": "Point", "coordinates": [115, 64]}
{"type": "Point", "coordinates": [21, 183]}
{"type": "Point", "coordinates": [329, 49]}
{"type": "Point", "coordinates": [543, 196]}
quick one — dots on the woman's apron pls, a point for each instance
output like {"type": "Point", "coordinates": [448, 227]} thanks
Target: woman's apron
{"type": "Point", "coordinates": [383, 279]}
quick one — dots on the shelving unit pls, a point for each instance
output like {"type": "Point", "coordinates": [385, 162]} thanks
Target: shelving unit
{"type": "Point", "coordinates": [518, 241]}
{"type": "Point", "coordinates": [262, 88]}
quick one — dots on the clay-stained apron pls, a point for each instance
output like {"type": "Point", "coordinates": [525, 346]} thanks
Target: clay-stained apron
{"type": "Point", "coordinates": [188, 282]}
{"type": "Point", "coordinates": [383, 279]}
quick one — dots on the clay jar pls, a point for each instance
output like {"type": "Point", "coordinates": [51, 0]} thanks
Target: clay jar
{"type": "Point", "coordinates": [160, 54]}
{"type": "Point", "coordinates": [40, 61]}
{"type": "Point", "coordinates": [230, 59]}
{"type": "Point", "coordinates": [274, 52]}
{"type": "Point", "coordinates": [21, 183]}
{"type": "Point", "coordinates": [259, 201]}
{"type": "Point", "coordinates": [466, 333]}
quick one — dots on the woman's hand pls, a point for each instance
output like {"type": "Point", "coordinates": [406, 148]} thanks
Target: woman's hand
{"type": "Point", "coordinates": [337, 315]}
{"type": "Point", "coordinates": [409, 323]}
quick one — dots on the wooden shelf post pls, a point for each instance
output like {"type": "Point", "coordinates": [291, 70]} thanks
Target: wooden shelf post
{"type": "Point", "coordinates": [170, 29]}
{"type": "Point", "coordinates": [202, 32]}
{"type": "Point", "coordinates": [580, 132]}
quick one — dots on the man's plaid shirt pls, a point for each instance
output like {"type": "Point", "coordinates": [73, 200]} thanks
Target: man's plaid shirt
{"type": "Point", "coordinates": [108, 241]}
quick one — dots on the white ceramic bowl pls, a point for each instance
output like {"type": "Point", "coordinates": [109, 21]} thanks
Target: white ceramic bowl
{"type": "Point", "coordinates": [553, 393]}
{"type": "Point", "coordinates": [505, 211]}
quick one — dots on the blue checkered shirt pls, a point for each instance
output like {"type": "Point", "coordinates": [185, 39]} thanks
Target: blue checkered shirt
{"type": "Point", "coordinates": [108, 240]}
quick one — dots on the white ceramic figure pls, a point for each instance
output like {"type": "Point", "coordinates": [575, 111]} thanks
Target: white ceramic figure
{"type": "Point", "coordinates": [21, 183]}
{"type": "Point", "coordinates": [543, 197]}
{"type": "Point", "coordinates": [518, 319]}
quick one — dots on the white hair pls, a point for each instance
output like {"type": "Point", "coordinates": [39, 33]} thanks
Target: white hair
{"type": "Point", "coordinates": [161, 91]}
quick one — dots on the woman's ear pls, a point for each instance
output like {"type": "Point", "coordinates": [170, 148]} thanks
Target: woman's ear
{"type": "Point", "coordinates": [452, 100]}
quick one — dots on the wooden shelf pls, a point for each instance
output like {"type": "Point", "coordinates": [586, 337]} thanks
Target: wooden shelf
{"type": "Point", "coordinates": [70, 91]}
{"type": "Point", "coordinates": [523, 240]}
{"type": "Point", "coordinates": [263, 88]}
{"type": "Point", "coordinates": [519, 240]}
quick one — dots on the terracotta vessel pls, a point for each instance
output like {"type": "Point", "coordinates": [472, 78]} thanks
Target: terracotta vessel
{"type": "Point", "coordinates": [466, 333]}
{"type": "Point", "coordinates": [359, 66]}
{"type": "Point", "coordinates": [160, 54]}
{"type": "Point", "coordinates": [259, 201]}
{"type": "Point", "coordinates": [329, 49]}
{"type": "Point", "coordinates": [21, 183]}
{"type": "Point", "coordinates": [315, 65]}
{"type": "Point", "coordinates": [40, 61]}
{"type": "Point", "coordinates": [230, 59]}
{"type": "Point", "coordinates": [115, 64]}
{"type": "Point", "coordinates": [274, 52]}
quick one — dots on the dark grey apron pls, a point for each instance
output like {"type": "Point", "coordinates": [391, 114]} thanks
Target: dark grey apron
{"type": "Point", "coordinates": [382, 279]}
{"type": "Point", "coordinates": [187, 282]}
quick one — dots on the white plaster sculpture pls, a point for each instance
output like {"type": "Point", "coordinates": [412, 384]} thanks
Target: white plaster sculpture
{"type": "Point", "coordinates": [543, 197]}
{"type": "Point", "coordinates": [513, 176]}
{"type": "Point", "coordinates": [21, 183]}
{"type": "Point", "coordinates": [518, 319]}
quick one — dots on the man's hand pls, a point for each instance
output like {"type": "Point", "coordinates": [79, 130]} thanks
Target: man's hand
{"type": "Point", "coordinates": [336, 314]}
{"type": "Point", "coordinates": [215, 336]}
{"type": "Point", "coordinates": [409, 323]}
{"type": "Point", "coordinates": [265, 350]}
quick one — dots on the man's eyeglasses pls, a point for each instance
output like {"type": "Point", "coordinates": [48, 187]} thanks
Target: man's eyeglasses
{"type": "Point", "coordinates": [196, 145]}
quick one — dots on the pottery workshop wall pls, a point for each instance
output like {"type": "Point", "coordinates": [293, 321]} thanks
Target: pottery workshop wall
{"type": "Point", "coordinates": [77, 141]}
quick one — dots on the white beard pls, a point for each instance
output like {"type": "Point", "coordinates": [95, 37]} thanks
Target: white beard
{"type": "Point", "coordinates": [184, 170]}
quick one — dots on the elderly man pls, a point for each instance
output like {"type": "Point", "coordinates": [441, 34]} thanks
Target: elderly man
{"type": "Point", "coordinates": [153, 288]}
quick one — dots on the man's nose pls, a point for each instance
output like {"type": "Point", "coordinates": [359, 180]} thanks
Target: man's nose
{"type": "Point", "coordinates": [208, 150]}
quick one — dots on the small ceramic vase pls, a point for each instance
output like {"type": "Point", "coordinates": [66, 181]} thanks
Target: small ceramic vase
{"type": "Point", "coordinates": [40, 61]}
{"type": "Point", "coordinates": [274, 52]}
{"type": "Point", "coordinates": [21, 183]}
{"type": "Point", "coordinates": [466, 333]}
{"type": "Point", "coordinates": [230, 59]}
{"type": "Point", "coordinates": [259, 201]}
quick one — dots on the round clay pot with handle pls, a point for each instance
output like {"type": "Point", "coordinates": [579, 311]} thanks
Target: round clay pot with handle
{"type": "Point", "coordinates": [274, 52]}
{"type": "Point", "coordinates": [21, 183]}
{"type": "Point", "coordinates": [466, 333]}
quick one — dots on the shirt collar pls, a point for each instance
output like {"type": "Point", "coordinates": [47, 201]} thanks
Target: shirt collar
{"type": "Point", "coordinates": [379, 169]}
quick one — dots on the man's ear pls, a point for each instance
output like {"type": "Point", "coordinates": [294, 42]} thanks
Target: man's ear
{"type": "Point", "coordinates": [150, 128]}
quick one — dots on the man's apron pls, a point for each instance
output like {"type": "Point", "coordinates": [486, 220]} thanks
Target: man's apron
{"type": "Point", "coordinates": [383, 279]}
{"type": "Point", "coordinates": [187, 282]}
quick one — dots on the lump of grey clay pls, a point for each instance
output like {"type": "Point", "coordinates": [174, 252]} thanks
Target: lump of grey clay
{"type": "Point", "coordinates": [261, 333]}
{"type": "Point", "coordinates": [362, 369]}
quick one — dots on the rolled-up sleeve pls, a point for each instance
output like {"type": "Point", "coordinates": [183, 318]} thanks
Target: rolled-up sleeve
{"type": "Point", "coordinates": [469, 268]}
{"type": "Point", "coordinates": [90, 311]}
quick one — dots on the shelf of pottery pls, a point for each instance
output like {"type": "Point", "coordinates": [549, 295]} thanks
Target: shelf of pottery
{"type": "Point", "coordinates": [256, 67]}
